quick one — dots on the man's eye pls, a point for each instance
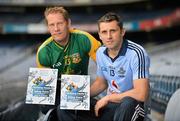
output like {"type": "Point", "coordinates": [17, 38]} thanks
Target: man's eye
{"type": "Point", "coordinates": [103, 32]}
{"type": "Point", "coordinates": [113, 31]}
{"type": "Point", "coordinates": [60, 23]}
{"type": "Point", "coordinates": [51, 25]}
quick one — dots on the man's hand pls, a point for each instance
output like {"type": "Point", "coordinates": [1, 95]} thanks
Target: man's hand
{"type": "Point", "coordinates": [100, 104]}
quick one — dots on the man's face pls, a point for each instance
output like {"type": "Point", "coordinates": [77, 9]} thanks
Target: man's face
{"type": "Point", "coordinates": [111, 34]}
{"type": "Point", "coordinates": [58, 27]}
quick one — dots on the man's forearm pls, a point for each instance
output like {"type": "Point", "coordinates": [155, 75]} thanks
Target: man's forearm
{"type": "Point", "coordinates": [97, 87]}
{"type": "Point", "coordinates": [140, 96]}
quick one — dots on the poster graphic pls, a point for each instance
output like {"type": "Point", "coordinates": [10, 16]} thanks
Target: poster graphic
{"type": "Point", "coordinates": [75, 92]}
{"type": "Point", "coordinates": [41, 87]}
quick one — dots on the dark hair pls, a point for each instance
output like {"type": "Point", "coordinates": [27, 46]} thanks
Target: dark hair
{"type": "Point", "coordinates": [110, 16]}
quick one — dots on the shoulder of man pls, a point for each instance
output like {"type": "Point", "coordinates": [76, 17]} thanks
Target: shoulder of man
{"type": "Point", "coordinates": [74, 30]}
{"type": "Point", "coordinates": [101, 49]}
{"type": "Point", "coordinates": [45, 43]}
{"type": "Point", "coordinates": [82, 34]}
{"type": "Point", "coordinates": [136, 45]}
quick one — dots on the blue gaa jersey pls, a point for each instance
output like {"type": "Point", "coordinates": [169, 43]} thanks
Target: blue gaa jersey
{"type": "Point", "coordinates": [131, 63]}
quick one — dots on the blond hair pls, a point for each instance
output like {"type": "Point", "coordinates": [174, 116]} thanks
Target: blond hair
{"type": "Point", "coordinates": [57, 9]}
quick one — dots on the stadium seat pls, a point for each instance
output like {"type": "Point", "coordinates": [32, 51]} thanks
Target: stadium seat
{"type": "Point", "coordinates": [173, 107]}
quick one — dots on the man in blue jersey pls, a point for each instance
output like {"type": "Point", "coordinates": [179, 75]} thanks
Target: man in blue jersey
{"type": "Point", "coordinates": [122, 70]}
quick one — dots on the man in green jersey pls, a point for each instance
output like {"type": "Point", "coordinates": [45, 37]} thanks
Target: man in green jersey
{"type": "Point", "coordinates": [67, 50]}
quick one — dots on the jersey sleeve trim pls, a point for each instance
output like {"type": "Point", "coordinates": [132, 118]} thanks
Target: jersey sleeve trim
{"type": "Point", "coordinates": [95, 44]}
{"type": "Point", "coordinates": [39, 49]}
{"type": "Point", "coordinates": [142, 60]}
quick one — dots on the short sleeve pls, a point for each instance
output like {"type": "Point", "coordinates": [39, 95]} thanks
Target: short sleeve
{"type": "Point", "coordinates": [42, 58]}
{"type": "Point", "coordinates": [99, 64]}
{"type": "Point", "coordinates": [140, 64]}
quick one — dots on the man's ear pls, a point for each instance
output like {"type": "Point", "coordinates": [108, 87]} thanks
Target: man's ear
{"type": "Point", "coordinates": [99, 36]}
{"type": "Point", "coordinates": [123, 32]}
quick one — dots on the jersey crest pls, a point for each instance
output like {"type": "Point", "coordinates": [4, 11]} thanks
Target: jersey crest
{"type": "Point", "coordinates": [121, 72]}
{"type": "Point", "coordinates": [76, 58]}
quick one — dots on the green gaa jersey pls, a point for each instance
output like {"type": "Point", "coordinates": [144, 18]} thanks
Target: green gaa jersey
{"type": "Point", "coordinates": [71, 59]}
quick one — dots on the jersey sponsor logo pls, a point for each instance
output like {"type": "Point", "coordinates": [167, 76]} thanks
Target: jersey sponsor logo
{"type": "Point", "coordinates": [121, 72]}
{"type": "Point", "coordinates": [113, 91]}
{"type": "Point", "coordinates": [114, 84]}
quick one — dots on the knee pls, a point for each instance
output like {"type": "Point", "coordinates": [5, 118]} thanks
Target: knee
{"type": "Point", "coordinates": [126, 109]}
{"type": "Point", "coordinates": [45, 108]}
{"type": "Point", "coordinates": [127, 104]}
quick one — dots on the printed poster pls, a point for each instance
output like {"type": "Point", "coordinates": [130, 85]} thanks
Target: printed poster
{"type": "Point", "coordinates": [75, 92]}
{"type": "Point", "coordinates": [41, 87]}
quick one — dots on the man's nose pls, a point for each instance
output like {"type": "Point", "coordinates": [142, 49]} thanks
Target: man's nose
{"type": "Point", "coordinates": [109, 35]}
{"type": "Point", "coordinates": [56, 28]}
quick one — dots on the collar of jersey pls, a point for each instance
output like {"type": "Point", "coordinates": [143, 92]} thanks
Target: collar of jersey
{"type": "Point", "coordinates": [62, 47]}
